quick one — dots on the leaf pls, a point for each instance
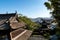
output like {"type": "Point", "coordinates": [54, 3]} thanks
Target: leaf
{"type": "Point", "coordinates": [48, 5]}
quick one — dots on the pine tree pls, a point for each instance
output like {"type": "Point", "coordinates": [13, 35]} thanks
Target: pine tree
{"type": "Point", "coordinates": [54, 5]}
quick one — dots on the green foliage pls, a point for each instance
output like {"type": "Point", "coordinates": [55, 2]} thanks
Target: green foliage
{"type": "Point", "coordinates": [48, 5]}
{"type": "Point", "coordinates": [46, 35]}
{"type": "Point", "coordinates": [29, 24]}
{"type": "Point", "coordinates": [55, 5]}
{"type": "Point", "coordinates": [58, 31]}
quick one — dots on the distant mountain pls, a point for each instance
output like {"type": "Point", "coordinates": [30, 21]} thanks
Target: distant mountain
{"type": "Point", "coordinates": [36, 19]}
{"type": "Point", "coordinates": [40, 19]}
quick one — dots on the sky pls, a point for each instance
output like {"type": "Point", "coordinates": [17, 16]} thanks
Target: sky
{"type": "Point", "coordinates": [29, 8]}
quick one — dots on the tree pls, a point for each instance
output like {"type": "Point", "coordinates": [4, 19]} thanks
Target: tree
{"type": "Point", "coordinates": [29, 24]}
{"type": "Point", "coordinates": [54, 5]}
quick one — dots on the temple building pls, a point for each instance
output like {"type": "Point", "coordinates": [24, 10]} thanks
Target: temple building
{"type": "Point", "coordinates": [11, 28]}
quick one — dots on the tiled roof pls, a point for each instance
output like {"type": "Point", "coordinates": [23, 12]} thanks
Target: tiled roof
{"type": "Point", "coordinates": [3, 19]}
{"type": "Point", "coordinates": [16, 32]}
{"type": "Point", "coordinates": [15, 25]}
{"type": "Point", "coordinates": [7, 16]}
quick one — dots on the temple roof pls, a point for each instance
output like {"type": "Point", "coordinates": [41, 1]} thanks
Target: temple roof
{"type": "Point", "coordinates": [7, 20]}
{"type": "Point", "coordinates": [15, 25]}
{"type": "Point", "coordinates": [7, 16]}
{"type": "Point", "coordinates": [3, 19]}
